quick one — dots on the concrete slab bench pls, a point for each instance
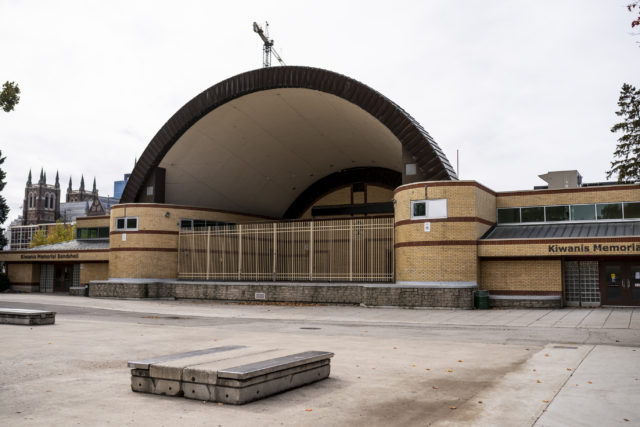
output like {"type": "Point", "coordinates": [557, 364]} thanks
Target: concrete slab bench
{"type": "Point", "coordinates": [20, 316]}
{"type": "Point", "coordinates": [230, 374]}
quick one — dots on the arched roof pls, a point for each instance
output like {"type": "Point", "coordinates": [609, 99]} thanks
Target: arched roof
{"type": "Point", "coordinates": [207, 121]}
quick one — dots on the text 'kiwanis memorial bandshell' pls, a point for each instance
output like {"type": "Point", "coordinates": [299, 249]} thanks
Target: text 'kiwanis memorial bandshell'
{"type": "Point", "coordinates": [271, 141]}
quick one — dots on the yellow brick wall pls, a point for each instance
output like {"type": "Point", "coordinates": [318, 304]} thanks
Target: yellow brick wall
{"type": "Point", "coordinates": [583, 195]}
{"type": "Point", "coordinates": [525, 275]}
{"type": "Point", "coordinates": [143, 264]}
{"type": "Point", "coordinates": [88, 221]}
{"type": "Point", "coordinates": [436, 264]}
{"type": "Point", "coordinates": [24, 273]}
{"type": "Point", "coordinates": [376, 194]}
{"type": "Point", "coordinates": [93, 271]}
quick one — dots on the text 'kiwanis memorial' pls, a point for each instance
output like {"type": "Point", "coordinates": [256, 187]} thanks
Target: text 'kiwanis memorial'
{"type": "Point", "coordinates": [51, 256]}
{"type": "Point", "coordinates": [594, 248]}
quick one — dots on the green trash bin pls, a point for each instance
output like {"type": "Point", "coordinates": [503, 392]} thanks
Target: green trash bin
{"type": "Point", "coordinates": [481, 300]}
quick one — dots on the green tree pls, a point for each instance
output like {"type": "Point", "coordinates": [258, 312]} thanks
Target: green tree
{"type": "Point", "coordinates": [4, 209]}
{"type": "Point", "coordinates": [626, 163]}
{"type": "Point", "coordinates": [9, 96]}
{"type": "Point", "coordinates": [58, 234]}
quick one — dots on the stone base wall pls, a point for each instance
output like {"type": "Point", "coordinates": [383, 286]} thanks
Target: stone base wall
{"type": "Point", "coordinates": [25, 287]}
{"type": "Point", "coordinates": [363, 294]}
{"type": "Point", "coordinates": [524, 302]}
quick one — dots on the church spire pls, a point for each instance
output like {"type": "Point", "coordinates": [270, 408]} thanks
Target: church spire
{"type": "Point", "coordinates": [69, 188]}
{"type": "Point", "coordinates": [29, 179]}
{"type": "Point", "coordinates": [44, 179]}
{"type": "Point", "coordinates": [41, 176]}
{"type": "Point", "coordinates": [82, 183]}
{"type": "Point", "coordinates": [57, 180]}
{"type": "Point", "coordinates": [95, 190]}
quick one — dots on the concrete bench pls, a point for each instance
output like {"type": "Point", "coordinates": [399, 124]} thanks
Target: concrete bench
{"type": "Point", "coordinates": [230, 374]}
{"type": "Point", "coordinates": [20, 316]}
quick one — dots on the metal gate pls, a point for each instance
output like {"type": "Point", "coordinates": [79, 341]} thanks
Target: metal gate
{"type": "Point", "coordinates": [46, 277]}
{"type": "Point", "coordinates": [327, 250]}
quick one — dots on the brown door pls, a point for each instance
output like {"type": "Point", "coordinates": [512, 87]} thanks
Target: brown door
{"type": "Point", "coordinates": [63, 277]}
{"type": "Point", "coordinates": [620, 283]}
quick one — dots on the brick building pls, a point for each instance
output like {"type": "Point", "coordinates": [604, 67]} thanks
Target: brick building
{"type": "Point", "coordinates": [300, 184]}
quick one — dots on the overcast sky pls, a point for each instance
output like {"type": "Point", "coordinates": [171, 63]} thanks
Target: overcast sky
{"type": "Point", "coordinates": [519, 87]}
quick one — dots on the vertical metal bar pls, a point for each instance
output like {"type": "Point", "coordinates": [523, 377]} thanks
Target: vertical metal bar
{"type": "Point", "coordinates": [239, 251]}
{"type": "Point", "coordinates": [351, 250]}
{"type": "Point", "coordinates": [179, 251]}
{"type": "Point", "coordinates": [275, 251]}
{"type": "Point", "coordinates": [311, 251]}
{"type": "Point", "coordinates": [208, 251]}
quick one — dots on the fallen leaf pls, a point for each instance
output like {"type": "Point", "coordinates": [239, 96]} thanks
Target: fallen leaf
{"type": "Point", "coordinates": [427, 369]}
{"type": "Point", "coordinates": [545, 401]}
{"type": "Point", "coordinates": [452, 407]}
{"type": "Point", "coordinates": [568, 369]}
{"type": "Point", "coordinates": [576, 385]}
{"type": "Point", "coordinates": [373, 369]}
{"type": "Point", "coordinates": [308, 410]}
{"type": "Point", "coordinates": [449, 370]}
{"type": "Point", "coordinates": [589, 382]}
{"type": "Point", "coordinates": [538, 381]}
{"type": "Point", "coordinates": [546, 355]}
{"type": "Point", "coordinates": [479, 401]}
{"type": "Point", "coordinates": [527, 349]}
{"type": "Point", "coordinates": [434, 387]}
{"type": "Point", "coordinates": [459, 361]}
{"type": "Point", "coordinates": [358, 377]}
{"type": "Point", "coordinates": [413, 365]}
{"type": "Point", "coordinates": [534, 370]}
{"type": "Point", "coordinates": [625, 418]}
{"type": "Point", "coordinates": [48, 343]}
{"type": "Point", "coordinates": [219, 403]}
{"type": "Point", "coordinates": [395, 348]}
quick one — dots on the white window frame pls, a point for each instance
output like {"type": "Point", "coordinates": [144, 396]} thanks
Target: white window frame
{"type": "Point", "coordinates": [427, 214]}
{"type": "Point", "coordinates": [126, 218]}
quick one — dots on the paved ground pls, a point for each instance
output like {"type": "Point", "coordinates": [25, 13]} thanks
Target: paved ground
{"type": "Point", "coordinates": [392, 366]}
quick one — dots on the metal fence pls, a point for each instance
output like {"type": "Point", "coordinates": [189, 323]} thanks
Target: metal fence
{"type": "Point", "coordinates": [351, 250]}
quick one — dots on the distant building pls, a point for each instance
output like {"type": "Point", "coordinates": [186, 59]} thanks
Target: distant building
{"type": "Point", "coordinates": [41, 201]}
{"type": "Point", "coordinates": [118, 186]}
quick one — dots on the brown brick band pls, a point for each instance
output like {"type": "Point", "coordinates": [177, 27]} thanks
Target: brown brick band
{"type": "Point", "coordinates": [561, 241]}
{"type": "Point", "coordinates": [144, 249]}
{"type": "Point", "coordinates": [526, 293]}
{"type": "Point", "coordinates": [145, 232]}
{"type": "Point", "coordinates": [436, 243]}
{"type": "Point", "coordinates": [569, 190]}
{"type": "Point", "coordinates": [450, 219]}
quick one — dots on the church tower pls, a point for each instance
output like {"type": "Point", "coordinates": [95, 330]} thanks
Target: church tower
{"type": "Point", "coordinates": [41, 203]}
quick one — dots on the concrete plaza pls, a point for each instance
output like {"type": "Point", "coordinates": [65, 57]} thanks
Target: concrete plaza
{"type": "Point", "coordinates": [391, 367]}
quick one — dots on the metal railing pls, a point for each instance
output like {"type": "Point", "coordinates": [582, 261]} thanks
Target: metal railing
{"type": "Point", "coordinates": [350, 250]}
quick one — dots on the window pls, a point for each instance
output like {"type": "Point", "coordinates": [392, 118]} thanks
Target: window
{"type": "Point", "coordinates": [556, 213]}
{"type": "Point", "coordinates": [535, 214]}
{"type": "Point", "coordinates": [583, 213]}
{"type": "Point", "coordinates": [632, 210]}
{"type": "Point", "coordinates": [46, 201]}
{"type": "Point", "coordinates": [508, 215]}
{"type": "Point", "coordinates": [127, 223]}
{"type": "Point", "coordinates": [92, 233]}
{"type": "Point", "coordinates": [30, 200]}
{"type": "Point", "coordinates": [52, 202]}
{"type": "Point", "coordinates": [609, 210]}
{"type": "Point", "coordinates": [429, 209]}
{"type": "Point", "coordinates": [150, 190]}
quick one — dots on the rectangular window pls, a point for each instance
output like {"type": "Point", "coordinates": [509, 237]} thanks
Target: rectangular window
{"type": "Point", "coordinates": [127, 223]}
{"type": "Point", "coordinates": [92, 233]}
{"type": "Point", "coordinates": [535, 214]}
{"type": "Point", "coordinates": [583, 212]}
{"type": "Point", "coordinates": [557, 213]}
{"type": "Point", "coordinates": [429, 209]}
{"type": "Point", "coordinates": [632, 210]}
{"type": "Point", "coordinates": [609, 210]}
{"type": "Point", "coordinates": [508, 215]}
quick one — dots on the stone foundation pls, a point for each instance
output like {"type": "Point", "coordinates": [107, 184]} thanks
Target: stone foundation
{"type": "Point", "coordinates": [393, 295]}
{"type": "Point", "coordinates": [525, 301]}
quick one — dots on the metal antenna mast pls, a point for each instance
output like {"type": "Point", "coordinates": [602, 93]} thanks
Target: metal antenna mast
{"type": "Point", "coordinates": [267, 48]}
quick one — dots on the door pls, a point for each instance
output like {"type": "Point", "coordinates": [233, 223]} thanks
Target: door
{"type": "Point", "coordinates": [63, 277]}
{"type": "Point", "coordinates": [620, 283]}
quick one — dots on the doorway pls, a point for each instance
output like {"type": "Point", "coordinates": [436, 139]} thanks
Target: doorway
{"type": "Point", "coordinates": [620, 283]}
